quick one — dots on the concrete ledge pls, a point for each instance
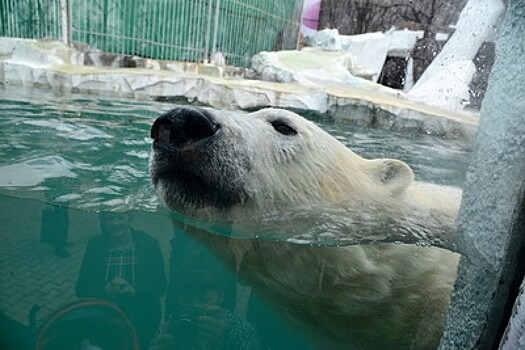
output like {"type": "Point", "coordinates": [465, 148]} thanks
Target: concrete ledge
{"type": "Point", "coordinates": [52, 65]}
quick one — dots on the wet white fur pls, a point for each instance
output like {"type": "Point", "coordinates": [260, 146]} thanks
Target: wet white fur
{"type": "Point", "coordinates": [372, 296]}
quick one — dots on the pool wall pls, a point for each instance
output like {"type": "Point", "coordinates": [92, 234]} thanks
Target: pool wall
{"type": "Point", "coordinates": [52, 65]}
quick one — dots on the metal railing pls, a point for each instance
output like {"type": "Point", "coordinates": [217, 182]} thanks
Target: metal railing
{"type": "Point", "coordinates": [183, 30]}
{"type": "Point", "coordinates": [30, 19]}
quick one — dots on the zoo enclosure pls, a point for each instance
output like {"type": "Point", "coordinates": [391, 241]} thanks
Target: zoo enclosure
{"type": "Point", "coordinates": [182, 30]}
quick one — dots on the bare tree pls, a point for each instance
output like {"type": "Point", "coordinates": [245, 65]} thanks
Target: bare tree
{"type": "Point", "coordinates": [361, 16]}
{"type": "Point", "coordinates": [364, 16]}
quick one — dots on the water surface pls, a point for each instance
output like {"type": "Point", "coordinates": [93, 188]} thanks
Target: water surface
{"type": "Point", "coordinates": [92, 153]}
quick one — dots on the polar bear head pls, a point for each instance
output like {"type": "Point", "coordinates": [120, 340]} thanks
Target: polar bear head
{"type": "Point", "coordinates": [207, 163]}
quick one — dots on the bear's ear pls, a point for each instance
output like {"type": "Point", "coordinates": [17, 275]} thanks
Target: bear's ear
{"type": "Point", "coordinates": [394, 174]}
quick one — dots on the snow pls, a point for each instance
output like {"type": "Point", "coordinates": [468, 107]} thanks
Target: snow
{"type": "Point", "coordinates": [369, 51]}
{"type": "Point", "coordinates": [515, 335]}
{"type": "Point", "coordinates": [450, 71]}
{"type": "Point", "coordinates": [328, 82]}
{"type": "Point", "coordinates": [447, 88]}
{"type": "Point", "coordinates": [444, 84]}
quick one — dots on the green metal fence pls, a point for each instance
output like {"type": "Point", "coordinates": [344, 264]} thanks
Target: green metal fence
{"type": "Point", "coordinates": [30, 19]}
{"type": "Point", "coordinates": [187, 30]}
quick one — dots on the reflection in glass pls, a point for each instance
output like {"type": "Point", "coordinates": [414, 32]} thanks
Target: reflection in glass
{"type": "Point", "coordinates": [126, 267]}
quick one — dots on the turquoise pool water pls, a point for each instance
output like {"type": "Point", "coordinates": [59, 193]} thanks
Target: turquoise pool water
{"type": "Point", "coordinates": [97, 149]}
{"type": "Point", "coordinates": [84, 154]}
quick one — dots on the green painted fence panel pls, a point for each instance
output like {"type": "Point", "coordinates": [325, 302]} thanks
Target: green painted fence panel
{"type": "Point", "coordinates": [30, 19]}
{"type": "Point", "coordinates": [183, 30]}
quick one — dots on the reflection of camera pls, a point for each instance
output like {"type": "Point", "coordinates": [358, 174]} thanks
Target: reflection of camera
{"type": "Point", "coordinates": [183, 326]}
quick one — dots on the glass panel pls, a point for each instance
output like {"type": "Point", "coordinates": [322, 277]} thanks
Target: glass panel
{"type": "Point", "coordinates": [165, 207]}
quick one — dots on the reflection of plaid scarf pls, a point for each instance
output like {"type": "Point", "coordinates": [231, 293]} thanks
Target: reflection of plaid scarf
{"type": "Point", "coordinates": [121, 263]}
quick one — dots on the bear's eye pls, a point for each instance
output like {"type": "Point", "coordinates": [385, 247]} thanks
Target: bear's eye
{"type": "Point", "coordinates": [282, 127]}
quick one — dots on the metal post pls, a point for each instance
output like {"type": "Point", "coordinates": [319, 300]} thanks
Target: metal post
{"type": "Point", "coordinates": [301, 14]}
{"type": "Point", "coordinates": [215, 28]}
{"type": "Point", "coordinates": [69, 22]}
{"type": "Point", "coordinates": [66, 14]}
{"type": "Point", "coordinates": [208, 34]}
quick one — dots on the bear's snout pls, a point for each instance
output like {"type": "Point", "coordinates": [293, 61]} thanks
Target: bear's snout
{"type": "Point", "coordinates": [184, 126]}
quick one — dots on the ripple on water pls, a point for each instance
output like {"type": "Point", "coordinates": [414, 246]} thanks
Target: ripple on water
{"type": "Point", "coordinates": [91, 151]}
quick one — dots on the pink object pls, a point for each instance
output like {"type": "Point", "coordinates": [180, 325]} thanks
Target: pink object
{"type": "Point", "coordinates": [311, 15]}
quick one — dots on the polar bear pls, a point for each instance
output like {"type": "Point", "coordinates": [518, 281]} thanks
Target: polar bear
{"type": "Point", "coordinates": [237, 168]}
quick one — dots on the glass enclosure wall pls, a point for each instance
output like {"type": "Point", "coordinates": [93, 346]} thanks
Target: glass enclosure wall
{"type": "Point", "coordinates": [374, 207]}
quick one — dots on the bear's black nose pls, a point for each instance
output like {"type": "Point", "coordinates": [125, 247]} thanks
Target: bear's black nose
{"type": "Point", "coordinates": [181, 126]}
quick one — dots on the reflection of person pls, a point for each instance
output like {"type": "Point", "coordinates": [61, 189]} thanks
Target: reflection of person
{"type": "Point", "coordinates": [54, 229]}
{"type": "Point", "coordinates": [55, 219]}
{"type": "Point", "coordinates": [201, 322]}
{"type": "Point", "coordinates": [126, 267]}
{"type": "Point", "coordinates": [13, 334]}
{"type": "Point", "coordinates": [186, 253]}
